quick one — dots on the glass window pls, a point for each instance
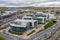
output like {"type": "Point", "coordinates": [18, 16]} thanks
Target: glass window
{"type": "Point", "coordinates": [30, 24]}
{"type": "Point", "coordinates": [27, 18]}
{"type": "Point", "coordinates": [18, 29]}
{"type": "Point", "coordinates": [35, 23]}
{"type": "Point", "coordinates": [39, 20]}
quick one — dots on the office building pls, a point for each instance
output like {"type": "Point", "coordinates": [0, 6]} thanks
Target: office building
{"type": "Point", "coordinates": [20, 25]}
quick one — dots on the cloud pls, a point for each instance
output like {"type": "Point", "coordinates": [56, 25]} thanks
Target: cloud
{"type": "Point", "coordinates": [49, 4]}
{"type": "Point", "coordinates": [25, 3]}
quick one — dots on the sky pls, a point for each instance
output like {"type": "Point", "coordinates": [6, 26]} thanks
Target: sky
{"type": "Point", "coordinates": [28, 3]}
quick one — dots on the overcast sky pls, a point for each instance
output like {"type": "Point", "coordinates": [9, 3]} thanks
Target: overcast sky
{"type": "Point", "coordinates": [26, 3]}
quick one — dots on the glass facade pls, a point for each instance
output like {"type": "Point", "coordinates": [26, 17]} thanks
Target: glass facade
{"type": "Point", "coordinates": [30, 24]}
{"type": "Point", "coordinates": [39, 20]}
{"type": "Point", "coordinates": [27, 18]}
{"type": "Point", "coordinates": [48, 17]}
{"type": "Point", "coordinates": [7, 16]}
{"type": "Point", "coordinates": [30, 15]}
{"type": "Point", "coordinates": [35, 23]}
{"type": "Point", "coordinates": [17, 29]}
{"type": "Point", "coordinates": [40, 15]}
{"type": "Point", "coordinates": [44, 19]}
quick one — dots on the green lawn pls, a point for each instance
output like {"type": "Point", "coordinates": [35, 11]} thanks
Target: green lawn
{"type": "Point", "coordinates": [2, 38]}
{"type": "Point", "coordinates": [49, 24]}
{"type": "Point", "coordinates": [31, 32]}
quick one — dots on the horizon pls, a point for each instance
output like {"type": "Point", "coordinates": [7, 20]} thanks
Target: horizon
{"type": "Point", "coordinates": [29, 3]}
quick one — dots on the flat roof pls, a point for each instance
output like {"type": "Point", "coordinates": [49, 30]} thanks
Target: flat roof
{"type": "Point", "coordinates": [40, 17]}
{"type": "Point", "coordinates": [25, 20]}
{"type": "Point", "coordinates": [3, 14]}
{"type": "Point", "coordinates": [39, 12]}
{"type": "Point", "coordinates": [42, 13]}
{"type": "Point", "coordinates": [10, 11]}
{"type": "Point", "coordinates": [21, 22]}
{"type": "Point", "coordinates": [28, 13]}
{"type": "Point", "coordinates": [26, 17]}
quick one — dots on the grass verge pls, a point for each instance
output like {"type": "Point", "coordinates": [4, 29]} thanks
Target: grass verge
{"type": "Point", "coordinates": [49, 24]}
{"type": "Point", "coordinates": [31, 32]}
{"type": "Point", "coordinates": [2, 38]}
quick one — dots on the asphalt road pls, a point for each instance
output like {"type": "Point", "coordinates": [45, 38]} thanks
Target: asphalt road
{"type": "Point", "coordinates": [8, 37]}
{"type": "Point", "coordinates": [40, 36]}
{"type": "Point", "coordinates": [47, 32]}
{"type": "Point", "coordinates": [55, 36]}
{"type": "Point", "coordinates": [58, 38]}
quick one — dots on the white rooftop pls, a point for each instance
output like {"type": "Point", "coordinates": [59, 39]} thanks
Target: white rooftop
{"type": "Point", "coordinates": [40, 17]}
{"type": "Point", "coordinates": [10, 11]}
{"type": "Point", "coordinates": [3, 14]}
{"type": "Point", "coordinates": [7, 13]}
{"type": "Point", "coordinates": [28, 13]}
{"type": "Point", "coordinates": [18, 20]}
{"type": "Point", "coordinates": [39, 12]}
{"type": "Point", "coordinates": [42, 13]}
{"type": "Point", "coordinates": [26, 17]}
{"type": "Point", "coordinates": [21, 22]}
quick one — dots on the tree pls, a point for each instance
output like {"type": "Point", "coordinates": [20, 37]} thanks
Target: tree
{"type": "Point", "coordinates": [57, 12]}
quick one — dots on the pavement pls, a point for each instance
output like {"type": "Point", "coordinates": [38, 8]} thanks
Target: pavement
{"type": "Point", "coordinates": [5, 25]}
{"type": "Point", "coordinates": [24, 36]}
{"type": "Point", "coordinates": [47, 32]}
{"type": "Point", "coordinates": [7, 36]}
{"type": "Point", "coordinates": [41, 36]}
{"type": "Point", "coordinates": [56, 36]}
{"type": "Point", "coordinates": [6, 20]}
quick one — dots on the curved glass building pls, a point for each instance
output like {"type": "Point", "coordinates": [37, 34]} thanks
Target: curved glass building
{"type": "Point", "coordinates": [20, 25]}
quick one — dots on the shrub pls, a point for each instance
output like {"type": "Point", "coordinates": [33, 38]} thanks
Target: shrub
{"type": "Point", "coordinates": [49, 24]}
{"type": "Point", "coordinates": [2, 38]}
{"type": "Point", "coordinates": [31, 32]}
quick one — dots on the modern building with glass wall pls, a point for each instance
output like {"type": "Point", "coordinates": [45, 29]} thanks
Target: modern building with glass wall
{"type": "Point", "coordinates": [29, 14]}
{"type": "Point", "coordinates": [41, 14]}
{"type": "Point", "coordinates": [38, 14]}
{"type": "Point", "coordinates": [48, 16]}
{"type": "Point", "coordinates": [27, 18]}
{"type": "Point", "coordinates": [21, 25]}
{"type": "Point", "coordinates": [41, 19]}
{"type": "Point", "coordinates": [6, 15]}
